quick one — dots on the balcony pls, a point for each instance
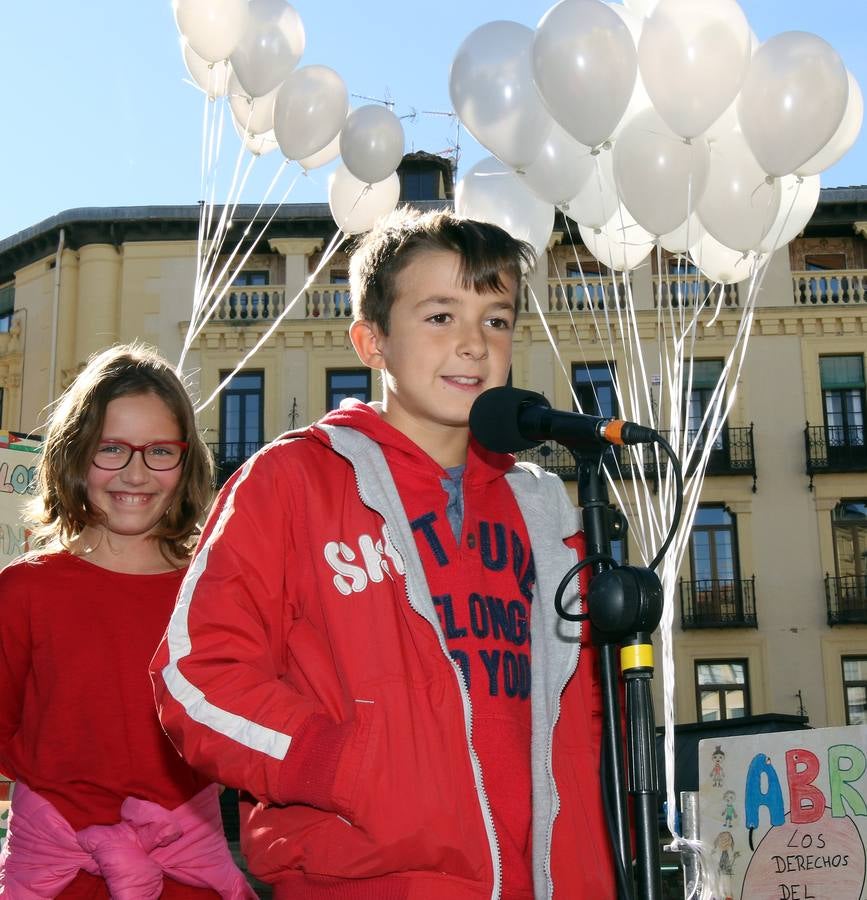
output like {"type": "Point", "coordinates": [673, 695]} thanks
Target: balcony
{"type": "Point", "coordinates": [718, 603]}
{"type": "Point", "coordinates": [846, 596]}
{"type": "Point", "coordinates": [844, 287]}
{"type": "Point", "coordinates": [228, 457]}
{"type": "Point", "coordinates": [735, 456]}
{"type": "Point", "coordinates": [686, 291]}
{"type": "Point", "coordinates": [249, 305]}
{"type": "Point", "coordinates": [565, 295]}
{"type": "Point", "coordinates": [246, 306]}
{"type": "Point", "coordinates": [834, 448]}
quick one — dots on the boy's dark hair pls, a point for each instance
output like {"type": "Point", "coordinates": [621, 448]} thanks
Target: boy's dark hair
{"type": "Point", "coordinates": [486, 252]}
{"type": "Point", "coordinates": [74, 430]}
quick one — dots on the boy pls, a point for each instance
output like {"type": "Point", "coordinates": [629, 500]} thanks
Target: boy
{"type": "Point", "coordinates": [351, 645]}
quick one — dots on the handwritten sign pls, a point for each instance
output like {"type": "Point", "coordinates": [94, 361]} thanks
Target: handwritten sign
{"type": "Point", "coordinates": [786, 814]}
{"type": "Point", "coordinates": [17, 471]}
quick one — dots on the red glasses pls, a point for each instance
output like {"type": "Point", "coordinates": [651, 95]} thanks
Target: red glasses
{"type": "Point", "coordinates": [161, 456]}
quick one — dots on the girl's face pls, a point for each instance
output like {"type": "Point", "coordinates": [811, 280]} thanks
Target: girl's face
{"type": "Point", "coordinates": [135, 498]}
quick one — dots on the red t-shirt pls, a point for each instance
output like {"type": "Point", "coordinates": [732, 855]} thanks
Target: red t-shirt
{"type": "Point", "coordinates": [482, 588]}
{"type": "Point", "coordinates": [78, 723]}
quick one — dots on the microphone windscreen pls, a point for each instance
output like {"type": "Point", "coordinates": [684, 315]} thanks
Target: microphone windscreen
{"type": "Point", "coordinates": [495, 418]}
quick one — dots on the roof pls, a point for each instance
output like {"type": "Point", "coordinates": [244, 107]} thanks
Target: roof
{"type": "Point", "coordinates": [838, 208]}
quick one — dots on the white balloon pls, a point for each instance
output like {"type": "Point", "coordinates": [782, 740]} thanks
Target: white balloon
{"type": "Point", "coordinates": [845, 135]}
{"type": "Point", "coordinates": [621, 244]}
{"type": "Point", "coordinates": [270, 47]}
{"type": "Point", "coordinates": [740, 203]}
{"type": "Point", "coordinates": [639, 101]}
{"type": "Point", "coordinates": [212, 78]}
{"type": "Point", "coordinates": [561, 169]}
{"type": "Point", "coordinates": [793, 100]}
{"type": "Point", "coordinates": [584, 64]}
{"type": "Point", "coordinates": [491, 192]}
{"type": "Point", "coordinates": [355, 205]}
{"type": "Point", "coordinates": [693, 57]}
{"type": "Point", "coordinates": [322, 157]}
{"type": "Point", "coordinates": [799, 197]}
{"type": "Point", "coordinates": [722, 264]}
{"type": "Point", "coordinates": [309, 111]}
{"type": "Point", "coordinates": [725, 125]}
{"type": "Point", "coordinates": [596, 201]}
{"type": "Point", "coordinates": [212, 28]}
{"type": "Point", "coordinates": [254, 115]}
{"type": "Point", "coordinates": [371, 143]}
{"type": "Point", "coordinates": [641, 7]}
{"type": "Point", "coordinates": [680, 239]}
{"type": "Point", "coordinates": [257, 144]}
{"type": "Point", "coordinates": [634, 21]}
{"type": "Point", "coordinates": [492, 91]}
{"type": "Point", "coordinates": [660, 177]}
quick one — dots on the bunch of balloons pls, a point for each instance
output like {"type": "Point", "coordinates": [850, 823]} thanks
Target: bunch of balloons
{"type": "Point", "coordinates": [652, 122]}
{"type": "Point", "coordinates": [248, 52]}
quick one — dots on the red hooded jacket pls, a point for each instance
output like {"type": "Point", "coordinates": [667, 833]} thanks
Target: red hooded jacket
{"type": "Point", "coordinates": [306, 663]}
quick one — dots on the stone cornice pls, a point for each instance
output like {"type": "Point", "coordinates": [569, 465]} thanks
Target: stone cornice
{"type": "Point", "coordinates": [296, 246]}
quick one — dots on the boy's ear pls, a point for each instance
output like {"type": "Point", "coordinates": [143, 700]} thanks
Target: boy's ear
{"type": "Point", "coordinates": [366, 338]}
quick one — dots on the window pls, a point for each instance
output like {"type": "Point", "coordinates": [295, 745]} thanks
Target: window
{"type": "Point", "coordinates": [248, 301]}
{"type": "Point", "coordinates": [687, 285]}
{"type": "Point", "coordinates": [7, 307]}
{"type": "Point", "coordinates": [241, 421]}
{"type": "Point", "coordinates": [343, 383]}
{"type": "Point", "coordinates": [722, 689]}
{"type": "Point", "coordinates": [252, 278]}
{"type": "Point", "coordinates": [594, 387]}
{"type": "Point", "coordinates": [706, 374]}
{"type": "Point", "coordinates": [713, 546]}
{"type": "Point", "coordinates": [823, 262]}
{"type": "Point", "coordinates": [849, 525]}
{"type": "Point", "coordinates": [339, 276]}
{"type": "Point", "coordinates": [590, 267]}
{"type": "Point", "coordinates": [716, 587]}
{"type": "Point", "coordinates": [419, 185]}
{"type": "Point", "coordinates": [855, 689]}
{"type": "Point", "coordinates": [843, 399]}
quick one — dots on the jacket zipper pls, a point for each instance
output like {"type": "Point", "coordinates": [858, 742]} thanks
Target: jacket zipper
{"type": "Point", "coordinates": [484, 803]}
{"type": "Point", "coordinates": [549, 766]}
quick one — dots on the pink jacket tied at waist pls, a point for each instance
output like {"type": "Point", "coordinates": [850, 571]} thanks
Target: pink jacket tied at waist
{"type": "Point", "coordinates": [43, 854]}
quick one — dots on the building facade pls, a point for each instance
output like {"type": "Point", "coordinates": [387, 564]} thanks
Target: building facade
{"type": "Point", "coordinates": [771, 615]}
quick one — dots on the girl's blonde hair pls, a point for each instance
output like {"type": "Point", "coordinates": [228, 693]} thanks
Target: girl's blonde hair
{"type": "Point", "coordinates": [62, 509]}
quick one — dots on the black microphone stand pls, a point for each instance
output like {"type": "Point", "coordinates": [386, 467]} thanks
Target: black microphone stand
{"type": "Point", "coordinates": [624, 606]}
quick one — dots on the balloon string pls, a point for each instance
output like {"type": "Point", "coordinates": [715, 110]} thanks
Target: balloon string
{"type": "Point", "coordinates": [336, 242]}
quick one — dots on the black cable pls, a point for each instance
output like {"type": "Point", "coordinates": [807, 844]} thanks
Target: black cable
{"type": "Point", "coordinates": [678, 500]}
{"type": "Point", "coordinates": [564, 583]}
{"type": "Point", "coordinates": [625, 883]}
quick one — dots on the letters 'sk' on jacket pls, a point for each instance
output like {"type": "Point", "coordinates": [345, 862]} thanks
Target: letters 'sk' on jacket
{"type": "Point", "coordinates": [305, 663]}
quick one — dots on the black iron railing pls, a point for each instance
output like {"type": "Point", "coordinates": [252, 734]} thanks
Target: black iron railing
{"type": "Point", "coordinates": [718, 603]}
{"type": "Point", "coordinates": [733, 455]}
{"type": "Point", "coordinates": [846, 596]}
{"type": "Point", "coordinates": [835, 448]}
{"type": "Point", "coordinates": [230, 456]}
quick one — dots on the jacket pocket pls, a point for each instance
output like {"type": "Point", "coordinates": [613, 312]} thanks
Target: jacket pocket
{"type": "Point", "coordinates": [355, 760]}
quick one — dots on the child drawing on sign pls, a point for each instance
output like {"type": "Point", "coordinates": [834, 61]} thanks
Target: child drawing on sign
{"type": "Point", "coordinates": [724, 848]}
{"type": "Point", "coordinates": [729, 813]}
{"type": "Point", "coordinates": [717, 775]}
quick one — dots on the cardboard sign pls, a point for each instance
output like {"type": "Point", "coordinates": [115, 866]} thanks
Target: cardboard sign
{"type": "Point", "coordinates": [18, 456]}
{"type": "Point", "coordinates": [786, 814]}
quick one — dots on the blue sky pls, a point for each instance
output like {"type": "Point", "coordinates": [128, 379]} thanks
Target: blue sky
{"type": "Point", "coordinates": [96, 111]}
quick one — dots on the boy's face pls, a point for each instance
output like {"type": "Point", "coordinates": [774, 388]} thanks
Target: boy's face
{"type": "Point", "coordinates": [446, 345]}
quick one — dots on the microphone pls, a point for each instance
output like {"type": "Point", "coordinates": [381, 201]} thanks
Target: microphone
{"type": "Point", "coordinates": [507, 419]}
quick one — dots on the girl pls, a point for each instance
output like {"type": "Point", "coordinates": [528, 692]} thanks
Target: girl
{"type": "Point", "coordinates": [103, 805]}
